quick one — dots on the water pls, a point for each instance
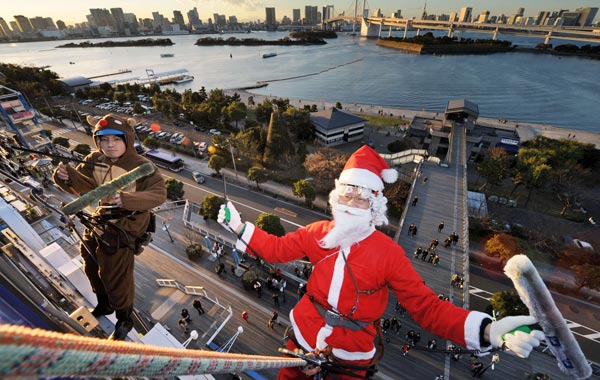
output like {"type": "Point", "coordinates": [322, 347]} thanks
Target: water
{"type": "Point", "coordinates": [518, 86]}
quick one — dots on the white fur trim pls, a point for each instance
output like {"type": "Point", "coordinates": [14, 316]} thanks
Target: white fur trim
{"type": "Point", "coordinates": [248, 232]}
{"type": "Point", "coordinates": [337, 278]}
{"type": "Point", "coordinates": [353, 355]}
{"type": "Point", "coordinates": [322, 335]}
{"type": "Point", "coordinates": [472, 328]}
{"type": "Point", "coordinates": [389, 175]}
{"type": "Point", "coordinates": [362, 178]}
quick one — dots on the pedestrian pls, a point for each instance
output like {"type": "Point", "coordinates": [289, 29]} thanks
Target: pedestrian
{"type": "Point", "coordinates": [258, 288]}
{"type": "Point", "coordinates": [415, 200]}
{"type": "Point", "coordinates": [476, 368]}
{"type": "Point", "coordinates": [414, 231]}
{"type": "Point", "coordinates": [424, 180]}
{"type": "Point", "coordinates": [432, 344]}
{"type": "Point", "coordinates": [181, 322]}
{"type": "Point", "coordinates": [232, 268]}
{"type": "Point", "coordinates": [411, 227]}
{"type": "Point", "coordinates": [433, 245]}
{"type": "Point", "coordinates": [385, 325]}
{"type": "Point", "coordinates": [436, 260]}
{"type": "Point", "coordinates": [245, 315]}
{"type": "Point", "coordinates": [424, 254]}
{"type": "Point", "coordinates": [448, 241]}
{"type": "Point", "coordinates": [440, 226]}
{"type": "Point", "coordinates": [405, 349]}
{"type": "Point", "coordinates": [348, 248]}
{"type": "Point", "coordinates": [282, 286]}
{"type": "Point", "coordinates": [185, 314]}
{"type": "Point", "coordinates": [275, 297]}
{"type": "Point", "coordinates": [301, 290]}
{"type": "Point", "coordinates": [123, 221]}
{"type": "Point", "coordinates": [274, 319]}
{"type": "Point", "coordinates": [454, 238]}
{"type": "Point", "coordinates": [198, 306]}
{"type": "Point", "coordinates": [418, 252]}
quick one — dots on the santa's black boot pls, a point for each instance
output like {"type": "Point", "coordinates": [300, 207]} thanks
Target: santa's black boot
{"type": "Point", "coordinates": [103, 307]}
{"type": "Point", "coordinates": [123, 326]}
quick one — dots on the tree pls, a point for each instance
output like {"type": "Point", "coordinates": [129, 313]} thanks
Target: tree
{"type": "Point", "coordinates": [508, 304]}
{"type": "Point", "coordinates": [47, 133]}
{"type": "Point", "coordinates": [502, 246]}
{"type": "Point", "coordinates": [494, 166]}
{"type": "Point", "coordinates": [175, 190]}
{"type": "Point", "coordinates": [338, 105]}
{"type": "Point", "coordinates": [325, 165]}
{"type": "Point", "coordinates": [83, 149]}
{"type": "Point", "coordinates": [211, 205]}
{"type": "Point", "coordinates": [194, 251]}
{"type": "Point", "coordinates": [62, 141]}
{"type": "Point", "coordinates": [587, 275]}
{"type": "Point", "coordinates": [270, 223]}
{"type": "Point", "coordinates": [137, 108]}
{"type": "Point", "coordinates": [567, 182]}
{"type": "Point", "coordinates": [216, 163]}
{"type": "Point", "coordinates": [151, 143]}
{"type": "Point", "coordinates": [263, 111]}
{"type": "Point", "coordinates": [258, 175]}
{"type": "Point", "coordinates": [532, 170]}
{"type": "Point", "coordinates": [236, 111]}
{"type": "Point", "coordinates": [304, 188]}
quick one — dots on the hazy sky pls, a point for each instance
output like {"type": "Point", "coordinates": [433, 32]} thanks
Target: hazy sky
{"type": "Point", "coordinates": [73, 11]}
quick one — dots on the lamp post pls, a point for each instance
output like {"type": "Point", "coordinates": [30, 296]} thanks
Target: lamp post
{"type": "Point", "coordinates": [166, 228]}
{"type": "Point", "coordinates": [233, 160]}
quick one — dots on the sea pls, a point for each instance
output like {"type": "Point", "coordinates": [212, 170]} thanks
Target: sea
{"type": "Point", "coordinates": [519, 86]}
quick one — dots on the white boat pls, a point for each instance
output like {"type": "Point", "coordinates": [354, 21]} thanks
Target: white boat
{"type": "Point", "coordinates": [167, 55]}
{"type": "Point", "coordinates": [269, 55]}
{"type": "Point", "coordinates": [183, 79]}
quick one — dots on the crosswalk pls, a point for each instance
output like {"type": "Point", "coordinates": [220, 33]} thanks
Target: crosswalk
{"type": "Point", "coordinates": [576, 328]}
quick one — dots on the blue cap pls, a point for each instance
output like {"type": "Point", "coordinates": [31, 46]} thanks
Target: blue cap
{"type": "Point", "coordinates": [108, 131]}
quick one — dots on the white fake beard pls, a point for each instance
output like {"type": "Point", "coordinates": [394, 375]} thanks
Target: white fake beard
{"type": "Point", "coordinates": [351, 226]}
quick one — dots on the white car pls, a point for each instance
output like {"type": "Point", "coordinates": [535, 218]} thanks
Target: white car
{"type": "Point", "coordinates": [214, 132]}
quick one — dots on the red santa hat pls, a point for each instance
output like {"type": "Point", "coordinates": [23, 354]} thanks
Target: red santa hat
{"type": "Point", "coordinates": [366, 168]}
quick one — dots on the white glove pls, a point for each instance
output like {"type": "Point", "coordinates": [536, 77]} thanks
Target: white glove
{"type": "Point", "coordinates": [230, 218]}
{"type": "Point", "coordinates": [519, 342]}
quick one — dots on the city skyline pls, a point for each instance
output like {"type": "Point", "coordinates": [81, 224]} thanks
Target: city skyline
{"type": "Point", "coordinates": [252, 10]}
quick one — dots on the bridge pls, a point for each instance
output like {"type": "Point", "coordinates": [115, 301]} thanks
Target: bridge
{"type": "Point", "coordinates": [376, 26]}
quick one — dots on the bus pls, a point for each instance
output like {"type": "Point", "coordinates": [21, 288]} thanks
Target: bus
{"type": "Point", "coordinates": [165, 160]}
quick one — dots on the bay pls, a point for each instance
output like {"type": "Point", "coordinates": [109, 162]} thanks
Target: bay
{"type": "Point", "coordinates": [528, 87]}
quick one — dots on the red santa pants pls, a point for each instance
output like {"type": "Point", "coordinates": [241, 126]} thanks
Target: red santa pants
{"type": "Point", "coordinates": [294, 373]}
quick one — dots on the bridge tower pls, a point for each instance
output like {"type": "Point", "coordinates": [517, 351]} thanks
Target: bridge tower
{"type": "Point", "coordinates": [496, 33]}
{"type": "Point", "coordinates": [548, 37]}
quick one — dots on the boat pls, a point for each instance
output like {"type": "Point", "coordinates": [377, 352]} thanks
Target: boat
{"type": "Point", "coordinates": [167, 55]}
{"type": "Point", "coordinates": [183, 79]}
{"type": "Point", "coordinates": [269, 55]}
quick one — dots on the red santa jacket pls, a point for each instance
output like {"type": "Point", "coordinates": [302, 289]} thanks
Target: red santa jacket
{"type": "Point", "coordinates": [377, 263]}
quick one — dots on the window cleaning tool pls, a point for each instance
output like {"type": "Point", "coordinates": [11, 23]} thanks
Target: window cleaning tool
{"type": "Point", "coordinates": [537, 298]}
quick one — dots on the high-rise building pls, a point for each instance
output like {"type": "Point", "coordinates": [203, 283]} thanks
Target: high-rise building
{"type": "Point", "coordinates": [100, 17]}
{"type": "Point", "coordinates": [586, 16]}
{"type": "Point", "coordinates": [4, 30]}
{"type": "Point", "coordinates": [23, 24]}
{"type": "Point", "coordinates": [484, 17]}
{"type": "Point", "coordinates": [296, 16]}
{"type": "Point", "coordinates": [397, 14]}
{"type": "Point", "coordinates": [310, 14]}
{"type": "Point", "coordinates": [328, 12]}
{"type": "Point", "coordinates": [465, 14]}
{"type": "Point", "coordinates": [452, 17]}
{"type": "Point", "coordinates": [541, 17]}
{"type": "Point", "coordinates": [42, 23]}
{"type": "Point", "coordinates": [118, 20]}
{"type": "Point", "coordinates": [520, 11]}
{"type": "Point", "coordinates": [270, 19]}
{"type": "Point", "coordinates": [194, 18]}
{"type": "Point", "coordinates": [178, 19]}
{"type": "Point", "coordinates": [570, 18]}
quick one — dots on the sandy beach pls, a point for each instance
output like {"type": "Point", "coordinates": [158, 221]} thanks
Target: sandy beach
{"type": "Point", "coordinates": [527, 131]}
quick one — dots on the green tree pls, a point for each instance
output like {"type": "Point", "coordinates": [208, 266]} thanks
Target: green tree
{"type": "Point", "coordinates": [263, 111]}
{"type": "Point", "coordinates": [62, 141]}
{"type": "Point", "coordinates": [83, 149]}
{"type": "Point", "coordinates": [298, 124]}
{"type": "Point", "coordinates": [194, 251]}
{"type": "Point", "coordinates": [211, 205]}
{"type": "Point", "coordinates": [567, 182]}
{"type": "Point", "coordinates": [47, 133]}
{"type": "Point", "coordinates": [507, 304]}
{"type": "Point", "coordinates": [119, 97]}
{"type": "Point", "coordinates": [270, 223]}
{"type": "Point", "coordinates": [251, 101]}
{"type": "Point", "coordinates": [338, 105]}
{"type": "Point", "coordinates": [216, 163]}
{"type": "Point", "coordinates": [587, 275]}
{"type": "Point", "coordinates": [137, 108]}
{"type": "Point", "coordinates": [175, 190]}
{"type": "Point", "coordinates": [151, 143]}
{"type": "Point", "coordinates": [304, 188]}
{"type": "Point", "coordinates": [493, 167]}
{"type": "Point", "coordinates": [236, 111]}
{"type": "Point", "coordinates": [532, 170]}
{"type": "Point", "coordinates": [258, 175]}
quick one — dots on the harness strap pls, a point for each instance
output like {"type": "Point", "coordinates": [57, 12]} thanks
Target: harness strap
{"type": "Point", "coordinates": [335, 319]}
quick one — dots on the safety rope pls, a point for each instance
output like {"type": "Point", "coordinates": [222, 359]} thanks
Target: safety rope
{"type": "Point", "coordinates": [39, 353]}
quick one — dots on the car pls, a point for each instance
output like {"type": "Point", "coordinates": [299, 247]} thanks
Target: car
{"type": "Point", "coordinates": [198, 177]}
{"type": "Point", "coordinates": [214, 132]}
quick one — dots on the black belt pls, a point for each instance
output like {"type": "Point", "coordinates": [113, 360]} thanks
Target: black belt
{"type": "Point", "coordinates": [334, 319]}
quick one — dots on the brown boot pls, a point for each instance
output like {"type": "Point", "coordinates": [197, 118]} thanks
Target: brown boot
{"type": "Point", "coordinates": [123, 326]}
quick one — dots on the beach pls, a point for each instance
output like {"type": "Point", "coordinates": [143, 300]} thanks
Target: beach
{"type": "Point", "coordinates": [527, 131]}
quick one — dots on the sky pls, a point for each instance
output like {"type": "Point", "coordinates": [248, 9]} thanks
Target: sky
{"type": "Point", "coordinates": [74, 11]}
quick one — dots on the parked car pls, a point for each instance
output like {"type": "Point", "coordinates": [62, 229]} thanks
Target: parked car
{"type": "Point", "coordinates": [214, 132]}
{"type": "Point", "coordinates": [198, 177]}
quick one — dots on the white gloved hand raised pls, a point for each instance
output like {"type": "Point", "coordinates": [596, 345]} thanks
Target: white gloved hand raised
{"type": "Point", "coordinates": [230, 218]}
{"type": "Point", "coordinates": [520, 342]}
